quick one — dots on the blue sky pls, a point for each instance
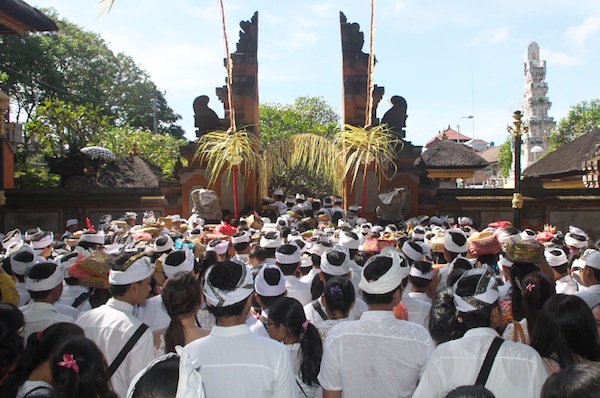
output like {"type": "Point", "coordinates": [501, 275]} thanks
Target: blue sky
{"type": "Point", "coordinates": [449, 59]}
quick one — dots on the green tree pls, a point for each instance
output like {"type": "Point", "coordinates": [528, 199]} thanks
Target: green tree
{"type": "Point", "coordinates": [581, 119]}
{"type": "Point", "coordinates": [77, 66]}
{"type": "Point", "coordinates": [305, 115]}
{"type": "Point", "coordinates": [505, 157]}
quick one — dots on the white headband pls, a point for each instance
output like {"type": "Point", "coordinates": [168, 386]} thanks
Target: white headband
{"type": "Point", "coordinates": [138, 271]}
{"type": "Point", "coordinates": [15, 237]}
{"type": "Point", "coordinates": [221, 298]}
{"type": "Point", "coordinates": [49, 283]}
{"type": "Point", "coordinates": [347, 241]}
{"type": "Point", "coordinates": [504, 262]}
{"type": "Point", "coordinates": [452, 246]}
{"type": "Point", "coordinates": [570, 240]}
{"type": "Point", "coordinates": [97, 238]}
{"type": "Point", "coordinates": [219, 248]}
{"type": "Point", "coordinates": [555, 260]}
{"type": "Point", "coordinates": [263, 288]}
{"type": "Point", "coordinates": [336, 270]}
{"type": "Point", "coordinates": [186, 266]}
{"type": "Point", "coordinates": [243, 238]}
{"type": "Point", "coordinates": [19, 267]}
{"type": "Point", "coordinates": [418, 274]}
{"type": "Point", "coordinates": [190, 380]}
{"type": "Point", "coordinates": [166, 246]}
{"type": "Point", "coordinates": [306, 262]}
{"type": "Point", "coordinates": [414, 254]}
{"type": "Point", "coordinates": [293, 258]}
{"type": "Point", "coordinates": [503, 236]}
{"type": "Point", "coordinates": [44, 242]}
{"type": "Point", "coordinates": [489, 296]}
{"type": "Point", "coordinates": [388, 281]}
{"type": "Point", "coordinates": [528, 234]}
{"type": "Point", "coordinates": [270, 243]}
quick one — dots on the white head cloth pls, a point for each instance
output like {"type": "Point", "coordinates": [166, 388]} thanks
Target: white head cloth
{"type": "Point", "coordinates": [49, 283]}
{"type": "Point", "coordinates": [271, 243]}
{"type": "Point", "coordinates": [190, 380]}
{"type": "Point", "coordinates": [576, 237]}
{"type": "Point", "coordinates": [170, 268]}
{"type": "Point", "coordinates": [217, 246]}
{"type": "Point", "coordinates": [592, 260]}
{"type": "Point", "coordinates": [72, 221]}
{"type": "Point", "coordinates": [555, 256]}
{"type": "Point", "coordinates": [306, 262]}
{"type": "Point", "coordinates": [263, 288]}
{"type": "Point", "coordinates": [418, 233]}
{"type": "Point", "coordinates": [413, 253]}
{"type": "Point", "coordinates": [19, 267]}
{"type": "Point", "coordinates": [486, 291]}
{"type": "Point", "coordinates": [44, 242]}
{"type": "Point", "coordinates": [11, 238]}
{"type": "Point", "coordinates": [465, 221]}
{"type": "Point", "coordinates": [97, 238]}
{"type": "Point", "coordinates": [391, 279]}
{"type": "Point", "coordinates": [336, 270]}
{"type": "Point", "coordinates": [504, 262]}
{"type": "Point", "coordinates": [528, 234]}
{"type": "Point", "coordinates": [138, 271]}
{"type": "Point", "coordinates": [221, 298]}
{"type": "Point", "coordinates": [165, 246]}
{"type": "Point", "coordinates": [346, 240]}
{"type": "Point", "coordinates": [293, 258]}
{"type": "Point", "coordinates": [451, 245]}
{"type": "Point", "coordinates": [418, 274]}
{"type": "Point", "coordinates": [243, 237]}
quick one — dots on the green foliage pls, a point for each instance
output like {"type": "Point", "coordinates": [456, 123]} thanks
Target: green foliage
{"type": "Point", "coordinates": [160, 149]}
{"type": "Point", "coordinates": [77, 66]}
{"type": "Point", "coordinates": [305, 115]}
{"type": "Point", "coordinates": [506, 157]}
{"type": "Point", "coordinates": [3, 76]}
{"type": "Point", "coordinates": [31, 172]}
{"type": "Point", "coordinates": [582, 118]}
{"type": "Point", "coordinates": [62, 128]}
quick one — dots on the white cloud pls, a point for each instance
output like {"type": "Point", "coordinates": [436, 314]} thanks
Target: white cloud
{"type": "Point", "coordinates": [500, 35]}
{"type": "Point", "coordinates": [559, 58]}
{"type": "Point", "coordinates": [579, 34]}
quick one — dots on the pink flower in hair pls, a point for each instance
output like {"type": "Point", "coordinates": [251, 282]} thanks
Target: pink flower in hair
{"type": "Point", "coordinates": [69, 362]}
{"type": "Point", "coordinates": [530, 287]}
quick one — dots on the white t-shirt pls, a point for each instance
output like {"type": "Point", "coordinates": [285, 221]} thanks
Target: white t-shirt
{"type": "Point", "coordinates": [591, 295]}
{"type": "Point", "coordinates": [376, 356]}
{"type": "Point", "coordinates": [38, 316]}
{"type": "Point", "coordinates": [234, 362]}
{"type": "Point", "coordinates": [110, 326]}
{"type": "Point", "coordinates": [566, 285]}
{"type": "Point", "coordinates": [518, 370]}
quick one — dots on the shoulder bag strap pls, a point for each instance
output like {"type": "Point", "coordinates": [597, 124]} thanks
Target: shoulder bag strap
{"type": "Point", "coordinates": [484, 373]}
{"type": "Point", "coordinates": [317, 306]}
{"type": "Point", "coordinates": [125, 350]}
{"type": "Point", "coordinates": [38, 388]}
{"type": "Point", "coordinates": [80, 299]}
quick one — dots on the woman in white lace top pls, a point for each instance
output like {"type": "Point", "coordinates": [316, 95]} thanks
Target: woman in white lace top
{"type": "Point", "coordinates": [338, 300]}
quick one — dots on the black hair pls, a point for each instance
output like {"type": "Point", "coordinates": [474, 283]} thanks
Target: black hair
{"type": "Point", "coordinates": [258, 253]}
{"type": "Point", "coordinates": [160, 381]}
{"type": "Point", "coordinates": [474, 391]}
{"type": "Point", "coordinates": [462, 263]}
{"type": "Point", "coordinates": [11, 342]}
{"type": "Point", "coordinates": [270, 252]}
{"type": "Point", "coordinates": [578, 381]}
{"type": "Point", "coordinates": [40, 271]}
{"type": "Point", "coordinates": [478, 318]}
{"type": "Point", "coordinates": [317, 287]}
{"type": "Point", "coordinates": [443, 321]}
{"type": "Point", "coordinates": [225, 276]}
{"type": "Point", "coordinates": [360, 258]}
{"type": "Point", "coordinates": [88, 245]}
{"type": "Point", "coordinates": [181, 295]}
{"type": "Point", "coordinates": [425, 267]}
{"type": "Point", "coordinates": [23, 257]}
{"type": "Point", "coordinates": [489, 259]}
{"type": "Point", "coordinates": [458, 238]}
{"type": "Point", "coordinates": [339, 295]}
{"type": "Point", "coordinates": [290, 313]}
{"type": "Point", "coordinates": [288, 269]}
{"type": "Point", "coordinates": [238, 247]}
{"type": "Point", "coordinates": [566, 328]}
{"type": "Point", "coordinates": [175, 257]}
{"type": "Point", "coordinates": [538, 288]}
{"type": "Point", "coordinates": [207, 260]}
{"type": "Point", "coordinates": [373, 271]}
{"type": "Point", "coordinates": [316, 259]}
{"type": "Point", "coordinates": [518, 272]}
{"type": "Point", "coordinates": [90, 379]}
{"type": "Point", "coordinates": [454, 276]}
{"type": "Point", "coordinates": [40, 347]}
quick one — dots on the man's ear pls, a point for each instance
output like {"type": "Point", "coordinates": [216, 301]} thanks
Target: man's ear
{"type": "Point", "coordinates": [496, 317]}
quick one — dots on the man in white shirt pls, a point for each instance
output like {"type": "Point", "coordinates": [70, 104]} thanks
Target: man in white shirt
{"type": "Point", "coordinates": [558, 261]}
{"type": "Point", "coordinates": [334, 262]}
{"type": "Point", "coordinates": [591, 278]}
{"type": "Point", "coordinates": [44, 284]}
{"type": "Point", "coordinates": [153, 313]}
{"type": "Point", "coordinates": [241, 245]}
{"type": "Point", "coordinates": [233, 361]}
{"type": "Point", "coordinates": [288, 258]}
{"type": "Point", "coordinates": [420, 277]}
{"type": "Point", "coordinates": [378, 355]}
{"type": "Point", "coordinates": [278, 198]}
{"type": "Point", "coordinates": [112, 325]}
{"type": "Point", "coordinates": [517, 370]}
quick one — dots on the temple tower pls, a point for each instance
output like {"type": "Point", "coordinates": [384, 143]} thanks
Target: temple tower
{"type": "Point", "coordinates": [535, 108]}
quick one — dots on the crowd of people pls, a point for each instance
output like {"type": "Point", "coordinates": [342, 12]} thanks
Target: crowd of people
{"type": "Point", "coordinates": [301, 298]}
